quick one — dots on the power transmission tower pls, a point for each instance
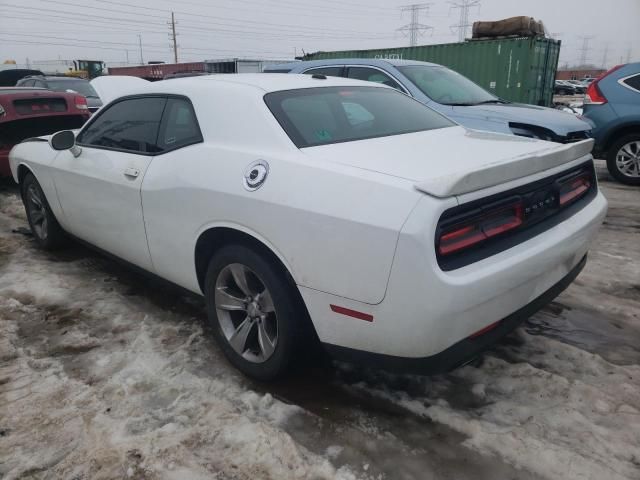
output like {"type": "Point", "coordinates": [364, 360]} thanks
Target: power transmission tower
{"type": "Point", "coordinates": [605, 55]}
{"type": "Point", "coordinates": [415, 28]}
{"type": "Point", "coordinates": [584, 50]}
{"type": "Point", "coordinates": [463, 26]}
{"type": "Point", "coordinates": [173, 36]}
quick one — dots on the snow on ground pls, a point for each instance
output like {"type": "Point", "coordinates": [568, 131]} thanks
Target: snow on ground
{"type": "Point", "coordinates": [104, 374]}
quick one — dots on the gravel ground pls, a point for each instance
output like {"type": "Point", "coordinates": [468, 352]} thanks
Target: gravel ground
{"type": "Point", "coordinates": [105, 374]}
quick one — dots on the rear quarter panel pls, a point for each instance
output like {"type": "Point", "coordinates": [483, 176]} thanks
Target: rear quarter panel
{"type": "Point", "coordinates": [334, 228]}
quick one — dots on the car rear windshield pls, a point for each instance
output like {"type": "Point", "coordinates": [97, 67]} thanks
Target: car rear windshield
{"type": "Point", "coordinates": [446, 86]}
{"type": "Point", "coordinates": [325, 115]}
{"type": "Point", "coordinates": [72, 85]}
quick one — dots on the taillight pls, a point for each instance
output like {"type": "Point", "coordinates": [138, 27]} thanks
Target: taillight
{"type": "Point", "coordinates": [476, 230]}
{"type": "Point", "coordinates": [81, 102]}
{"type": "Point", "coordinates": [574, 188]}
{"type": "Point", "coordinates": [594, 95]}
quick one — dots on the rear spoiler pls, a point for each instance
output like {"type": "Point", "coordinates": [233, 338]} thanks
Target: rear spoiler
{"type": "Point", "coordinates": [503, 171]}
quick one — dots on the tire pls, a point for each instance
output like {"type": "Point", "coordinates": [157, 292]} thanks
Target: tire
{"type": "Point", "coordinates": [241, 326]}
{"type": "Point", "coordinates": [625, 152]}
{"type": "Point", "coordinates": [45, 228]}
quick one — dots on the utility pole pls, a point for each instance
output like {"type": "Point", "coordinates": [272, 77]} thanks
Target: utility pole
{"type": "Point", "coordinates": [584, 50]}
{"type": "Point", "coordinates": [173, 37]}
{"type": "Point", "coordinates": [463, 25]}
{"type": "Point", "coordinates": [629, 54]}
{"type": "Point", "coordinates": [415, 28]}
{"type": "Point", "coordinates": [126, 52]}
{"type": "Point", "coordinates": [140, 45]}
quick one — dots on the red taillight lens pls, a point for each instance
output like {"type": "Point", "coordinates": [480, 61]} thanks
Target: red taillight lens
{"type": "Point", "coordinates": [81, 103]}
{"type": "Point", "coordinates": [477, 230]}
{"type": "Point", "coordinates": [594, 95]}
{"type": "Point", "coordinates": [574, 189]}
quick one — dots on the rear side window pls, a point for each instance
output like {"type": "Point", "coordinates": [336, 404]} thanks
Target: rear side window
{"type": "Point", "coordinates": [372, 75]}
{"type": "Point", "coordinates": [325, 115]}
{"type": "Point", "coordinates": [327, 71]}
{"type": "Point", "coordinates": [130, 125]}
{"type": "Point", "coordinates": [633, 82]}
{"type": "Point", "coordinates": [179, 125]}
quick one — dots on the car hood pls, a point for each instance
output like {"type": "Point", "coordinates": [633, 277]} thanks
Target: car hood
{"type": "Point", "coordinates": [452, 161]}
{"type": "Point", "coordinates": [561, 123]}
{"type": "Point", "coordinates": [110, 87]}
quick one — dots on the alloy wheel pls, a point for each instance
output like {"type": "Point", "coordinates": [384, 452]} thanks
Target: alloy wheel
{"type": "Point", "coordinates": [628, 159]}
{"type": "Point", "coordinates": [245, 311]}
{"type": "Point", "coordinates": [37, 212]}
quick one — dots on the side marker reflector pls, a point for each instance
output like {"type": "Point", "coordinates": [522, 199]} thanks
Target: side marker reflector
{"type": "Point", "coordinates": [352, 313]}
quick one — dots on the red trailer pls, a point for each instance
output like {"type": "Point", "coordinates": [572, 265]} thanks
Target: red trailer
{"type": "Point", "coordinates": [157, 71]}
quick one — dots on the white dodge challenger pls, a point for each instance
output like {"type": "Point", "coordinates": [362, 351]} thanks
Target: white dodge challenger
{"type": "Point", "coordinates": [307, 208]}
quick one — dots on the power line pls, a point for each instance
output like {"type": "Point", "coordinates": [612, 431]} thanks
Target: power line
{"type": "Point", "coordinates": [415, 28]}
{"type": "Point", "coordinates": [139, 25]}
{"type": "Point", "coordinates": [463, 25]}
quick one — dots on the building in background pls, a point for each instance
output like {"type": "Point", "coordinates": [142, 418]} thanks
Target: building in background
{"type": "Point", "coordinates": [578, 73]}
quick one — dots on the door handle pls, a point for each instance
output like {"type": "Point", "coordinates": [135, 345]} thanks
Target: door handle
{"type": "Point", "coordinates": [131, 172]}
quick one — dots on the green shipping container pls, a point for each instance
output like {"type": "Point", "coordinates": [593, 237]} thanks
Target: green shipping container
{"type": "Point", "coordinates": [516, 69]}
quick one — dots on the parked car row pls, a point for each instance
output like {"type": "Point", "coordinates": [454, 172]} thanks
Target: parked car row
{"type": "Point", "coordinates": [310, 208]}
{"type": "Point", "coordinates": [446, 92]}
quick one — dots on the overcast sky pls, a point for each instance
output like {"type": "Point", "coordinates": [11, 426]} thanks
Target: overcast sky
{"type": "Point", "coordinates": [108, 29]}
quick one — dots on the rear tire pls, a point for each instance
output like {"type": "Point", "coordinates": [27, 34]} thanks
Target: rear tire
{"type": "Point", "coordinates": [255, 314]}
{"type": "Point", "coordinates": [623, 159]}
{"type": "Point", "coordinates": [46, 230]}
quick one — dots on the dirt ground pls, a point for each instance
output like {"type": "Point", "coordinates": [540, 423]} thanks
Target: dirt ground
{"type": "Point", "coordinates": [107, 375]}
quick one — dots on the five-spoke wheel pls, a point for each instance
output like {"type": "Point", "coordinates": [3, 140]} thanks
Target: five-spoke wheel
{"type": "Point", "coordinates": [246, 313]}
{"type": "Point", "coordinates": [255, 311]}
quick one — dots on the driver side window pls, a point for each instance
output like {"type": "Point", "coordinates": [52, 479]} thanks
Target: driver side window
{"type": "Point", "coordinates": [130, 125]}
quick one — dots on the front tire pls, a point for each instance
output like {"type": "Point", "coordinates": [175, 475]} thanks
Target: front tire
{"type": "Point", "coordinates": [623, 159]}
{"type": "Point", "coordinates": [46, 230]}
{"type": "Point", "coordinates": [254, 312]}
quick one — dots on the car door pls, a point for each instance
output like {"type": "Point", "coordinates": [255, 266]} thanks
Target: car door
{"type": "Point", "coordinates": [99, 190]}
{"type": "Point", "coordinates": [168, 193]}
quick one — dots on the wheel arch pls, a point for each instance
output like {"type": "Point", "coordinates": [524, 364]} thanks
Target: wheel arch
{"type": "Point", "coordinates": [22, 172]}
{"type": "Point", "coordinates": [212, 238]}
{"type": "Point", "coordinates": [620, 131]}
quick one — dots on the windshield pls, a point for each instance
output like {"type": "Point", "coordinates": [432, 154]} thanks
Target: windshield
{"type": "Point", "coordinates": [446, 86]}
{"type": "Point", "coordinates": [79, 86]}
{"type": "Point", "coordinates": [325, 115]}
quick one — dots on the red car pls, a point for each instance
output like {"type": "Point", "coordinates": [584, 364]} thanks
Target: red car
{"type": "Point", "coordinates": [32, 112]}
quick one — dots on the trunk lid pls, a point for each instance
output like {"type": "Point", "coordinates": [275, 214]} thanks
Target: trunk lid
{"type": "Point", "coordinates": [452, 161]}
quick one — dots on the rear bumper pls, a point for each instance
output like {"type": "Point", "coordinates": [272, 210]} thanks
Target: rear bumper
{"type": "Point", "coordinates": [462, 351]}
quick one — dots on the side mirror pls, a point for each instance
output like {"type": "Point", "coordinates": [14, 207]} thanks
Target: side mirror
{"type": "Point", "coordinates": [65, 140]}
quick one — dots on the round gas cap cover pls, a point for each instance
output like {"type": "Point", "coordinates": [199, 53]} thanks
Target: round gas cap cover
{"type": "Point", "coordinates": [255, 175]}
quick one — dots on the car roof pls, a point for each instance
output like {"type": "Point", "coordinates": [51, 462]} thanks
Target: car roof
{"type": "Point", "coordinates": [376, 62]}
{"type": "Point", "coordinates": [267, 82]}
